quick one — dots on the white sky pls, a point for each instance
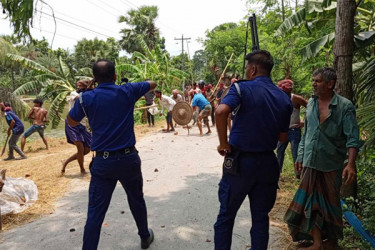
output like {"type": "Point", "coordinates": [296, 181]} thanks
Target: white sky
{"type": "Point", "coordinates": [176, 17]}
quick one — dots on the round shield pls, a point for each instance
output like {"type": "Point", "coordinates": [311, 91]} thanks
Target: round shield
{"type": "Point", "coordinates": [153, 110]}
{"type": "Point", "coordinates": [182, 113]}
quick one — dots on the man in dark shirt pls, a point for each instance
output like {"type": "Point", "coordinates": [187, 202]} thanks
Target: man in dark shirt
{"type": "Point", "coordinates": [109, 109]}
{"type": "Point", "coordinates": [149, 96]}
{"type": "Point", "coordinates": [261, 120]}
{"type": "Point", "coordinates": [16, 128]}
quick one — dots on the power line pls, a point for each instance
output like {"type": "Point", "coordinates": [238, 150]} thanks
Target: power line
{"type": "Point", "coordinates": [82, 21]}
{"type": "Point", "coordinates": [109, 6]}
{"type": "Point", "coordinates": [51, 32]}
{"type": "Point", "coordinates": [69, 25]}
{"type": "Point", "coordinates": [101, 8]}
{"type": "Point", "coordinates": [63, 20]}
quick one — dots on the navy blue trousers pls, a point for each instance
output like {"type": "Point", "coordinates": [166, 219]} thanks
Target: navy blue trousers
{"type": "Point", "coordinates": [257, 179]}
{"type": "Point", "coordinates": [104, 176]}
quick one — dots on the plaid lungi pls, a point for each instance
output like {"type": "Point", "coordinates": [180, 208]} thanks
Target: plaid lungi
{"type": "Point", "coordinates": [316, 203]}
{"type": "Point", "coordinates": [77, 133]}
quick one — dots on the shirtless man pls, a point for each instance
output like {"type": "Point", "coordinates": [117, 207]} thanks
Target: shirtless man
{"type": "Point", "coordinates": [39, 116]}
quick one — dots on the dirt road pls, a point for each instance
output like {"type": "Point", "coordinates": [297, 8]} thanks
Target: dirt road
{"type": "Point", "coordinates": [181, 173]}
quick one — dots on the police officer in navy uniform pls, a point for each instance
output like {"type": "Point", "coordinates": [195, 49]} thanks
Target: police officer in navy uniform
{"type": "Point", "coordinates": [109, 109]}
{"type": "Point", "coordinates": [262, 119]}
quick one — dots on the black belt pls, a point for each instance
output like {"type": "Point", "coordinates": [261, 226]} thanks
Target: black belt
{"type": "Point", "coordinates": [123, 151]}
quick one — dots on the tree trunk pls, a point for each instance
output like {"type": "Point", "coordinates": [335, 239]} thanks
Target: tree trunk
{"type": "Point", "coordinates": [283, 9]}
{"type": "Point", "coordinates": [343, 54]}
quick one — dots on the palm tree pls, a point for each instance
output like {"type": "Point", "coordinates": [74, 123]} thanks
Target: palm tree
{"type": "Point", "coordinates": [141, 25]}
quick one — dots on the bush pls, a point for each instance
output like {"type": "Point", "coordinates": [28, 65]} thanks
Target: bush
{"type": "Point", "coordinates": [364, 205]}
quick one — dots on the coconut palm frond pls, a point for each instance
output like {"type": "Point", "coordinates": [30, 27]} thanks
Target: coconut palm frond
{"type": "Point", "coordinates": [366, 120]}
{"type": "Point", "coordinates": [366, 86]}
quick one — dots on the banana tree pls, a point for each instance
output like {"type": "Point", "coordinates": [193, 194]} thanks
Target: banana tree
{"type": "Point", "coordinates": [153, 64]}
{"type": "Point", "coordinates": [54, 85]}
{"type": "Point", "coordinates": [318, 13]}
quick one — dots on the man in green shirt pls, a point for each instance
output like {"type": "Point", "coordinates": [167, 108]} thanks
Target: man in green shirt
{"type": "Point", "coordinates": [331, 131]}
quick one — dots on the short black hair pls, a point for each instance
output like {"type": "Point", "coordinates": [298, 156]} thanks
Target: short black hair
{"type": "Point", "coordinates": [103, 70]}
{"type": "Point", "coordinates": [327, 74]}
{"type": "Point", "coordinates": [37, 100]}
{"type": "Point", "coordinates": [158, 91]}
{"type": "Point", "coordinates": [261, 58]}
{"type": "Point", "coordinates": [6, 104]}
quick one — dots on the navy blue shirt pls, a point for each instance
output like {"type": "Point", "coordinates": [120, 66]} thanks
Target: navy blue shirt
{"type": "Point", "coordinates": [264, 112]}
{"type": "Point", "coordinates": [110, 109]}
{"type": "Point", "coordinates": [18, 125]}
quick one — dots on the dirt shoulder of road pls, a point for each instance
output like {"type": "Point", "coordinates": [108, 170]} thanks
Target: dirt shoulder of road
{"type": "Point", "coordinates": [43, 167]}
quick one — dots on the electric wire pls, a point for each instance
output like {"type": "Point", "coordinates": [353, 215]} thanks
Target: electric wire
{"type": "Point", "coordinates": [82, 21]}
{"type": "Point", "coordinates": [101, 8]}
{"type": "Point", "coordinates": [82, 27]}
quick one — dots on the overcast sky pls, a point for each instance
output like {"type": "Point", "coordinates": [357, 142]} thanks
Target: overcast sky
{"type": "Point", "coordinates": [190, 18]}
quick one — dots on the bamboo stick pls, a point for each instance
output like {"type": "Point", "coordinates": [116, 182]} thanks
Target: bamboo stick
{"type": "Point", "coordinates": [221, 76]}
{"type": "Point", "coordinates": [146, 107]}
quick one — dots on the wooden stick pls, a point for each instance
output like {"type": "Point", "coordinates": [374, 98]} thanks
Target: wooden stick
{"type": "Point", "coordinates": [146, 107]}
{"type": "Point", "coordinates": [5, 145]}
{"type": "Point", "coordinates": [230, 58]}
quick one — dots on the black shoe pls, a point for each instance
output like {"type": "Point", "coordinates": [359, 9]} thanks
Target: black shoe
{"type": "Point", "coordinates": [21, 157]}
{"type": "Point", "coordinates": [145, 243]}
{"type": "Point", "coordinates": [9, 158]}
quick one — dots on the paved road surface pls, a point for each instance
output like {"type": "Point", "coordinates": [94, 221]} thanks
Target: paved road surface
{"type": "Point", "coordinates": [181, 198]}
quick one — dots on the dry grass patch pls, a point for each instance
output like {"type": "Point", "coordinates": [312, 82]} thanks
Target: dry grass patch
{"type": "Point", "coordinates": [43, 167]}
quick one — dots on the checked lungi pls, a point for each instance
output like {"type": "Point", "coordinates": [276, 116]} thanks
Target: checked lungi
{"type": "Point", "coordinates": [316, 203]}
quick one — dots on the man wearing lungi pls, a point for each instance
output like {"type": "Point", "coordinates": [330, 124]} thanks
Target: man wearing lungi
{"type": "Point", "coordinates": [78, 135]}
{"type": "Point", "coordinates": [331, 131]}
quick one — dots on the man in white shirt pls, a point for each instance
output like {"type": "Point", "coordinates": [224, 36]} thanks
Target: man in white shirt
{"type": "Point", "coordinates": [166, 103]}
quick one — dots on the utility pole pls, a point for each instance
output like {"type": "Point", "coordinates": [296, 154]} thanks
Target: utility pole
{"type": "Point", "coordinates": [182, 53]}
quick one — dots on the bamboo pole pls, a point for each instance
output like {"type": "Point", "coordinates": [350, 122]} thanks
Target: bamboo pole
{"type": "Point", "coordinates": [221, 76]}
{"type": "Point", "coordinates": [146, 107]}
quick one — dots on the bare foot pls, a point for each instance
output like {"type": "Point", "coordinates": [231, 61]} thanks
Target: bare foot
{"type": "Point", "coordinates": [208, 132]}
{"type": "Point", "coordinates": [200, 135]}
{"type": "Point", "coordinates": [83, 173]}
{"type": "Point", "coordinates": [63, 167]}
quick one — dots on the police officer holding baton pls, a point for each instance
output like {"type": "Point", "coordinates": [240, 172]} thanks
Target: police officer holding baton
{"type": "Point", "coordinates": [109, 109]}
